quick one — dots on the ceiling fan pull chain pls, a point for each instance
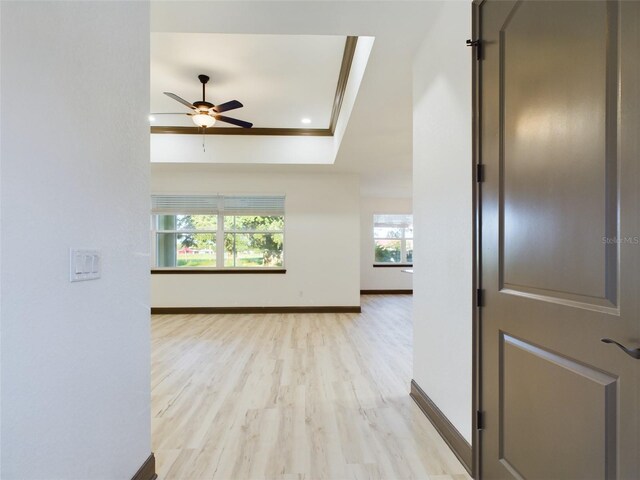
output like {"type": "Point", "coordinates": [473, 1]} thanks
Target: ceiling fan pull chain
{"type": "Point", "coordinates": [203, 139]}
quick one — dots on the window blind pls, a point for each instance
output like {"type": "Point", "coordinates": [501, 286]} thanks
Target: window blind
{"type": "Point", "coordinates": [214, 204]}
{"type": "Point", "coordinates": [393, 221]}
{"type": "Point", "coordinates": [253, 205]}
{"type": "Point", "coordinates": [185, 204]}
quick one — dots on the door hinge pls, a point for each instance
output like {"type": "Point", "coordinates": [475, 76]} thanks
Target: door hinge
{"type": "Point", "coordinates": [479, 420]}
{"type": "Point", "coordinates": [479, 297]}
{"type": "Point", "coordinates": [479, 172]}
{"type": "Point", "coordinates": [477, 44]}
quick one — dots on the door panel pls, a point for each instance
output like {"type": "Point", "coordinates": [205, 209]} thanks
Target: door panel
{"type": "Point", "coordinates": [559, 117]}
{"type": "Point", "coordinates": [547, 402]}
{"type": "Point", "coordinates": [555, 164]}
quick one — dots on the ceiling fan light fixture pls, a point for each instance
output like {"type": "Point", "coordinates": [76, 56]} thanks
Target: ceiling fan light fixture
{"type": "Point", "coordinates": [203, 120]}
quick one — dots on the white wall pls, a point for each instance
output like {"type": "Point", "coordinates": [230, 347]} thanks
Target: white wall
{"type": "Point", "coordinates": [234, 149]}
{"type": "Point", "coordinates": [372, 278]}
{"type": "Point", "coordinates": [0, 243]}
{"type": "Point", "coordinates": [322, 243]}
{"type": "Point", "coordinates": [442, 194]}
{"type": "Point", "coordinates": [75, 356]}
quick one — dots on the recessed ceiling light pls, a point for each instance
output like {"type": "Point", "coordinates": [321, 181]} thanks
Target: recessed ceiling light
{"type": "Point", "coordinates": [152, 118]}
{"type": "Point", "coordinates": [306, 120]}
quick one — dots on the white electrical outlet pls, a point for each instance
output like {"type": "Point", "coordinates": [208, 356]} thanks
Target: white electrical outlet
{"type": "Point", "coordinates": [84, 265]}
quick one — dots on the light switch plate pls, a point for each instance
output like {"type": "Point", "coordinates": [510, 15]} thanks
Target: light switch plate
{"type": "Point", "coordinates": [84, 264]}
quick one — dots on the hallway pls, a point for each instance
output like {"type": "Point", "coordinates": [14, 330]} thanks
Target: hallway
{"type": "Point", "coordinates": [292, 396]}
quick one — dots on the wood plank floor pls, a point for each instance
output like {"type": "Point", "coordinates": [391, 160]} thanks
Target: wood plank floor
{"type": "Point", "coordinates": [292, 396]}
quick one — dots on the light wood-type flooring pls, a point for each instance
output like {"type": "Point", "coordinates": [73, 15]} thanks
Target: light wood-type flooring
{"type": "Point", "coordinates": [292, 397]}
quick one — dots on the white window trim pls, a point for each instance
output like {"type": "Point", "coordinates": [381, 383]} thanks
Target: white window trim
{"type": "Point", "coordinates": [403, 241]}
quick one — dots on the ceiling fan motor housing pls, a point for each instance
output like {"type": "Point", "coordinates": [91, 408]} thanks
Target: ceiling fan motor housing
{"type": "Point", "coordinates": [203, 106]}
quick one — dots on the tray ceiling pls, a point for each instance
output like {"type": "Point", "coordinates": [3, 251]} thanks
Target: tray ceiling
{"type": "Point", "coordinates": [280, 79]}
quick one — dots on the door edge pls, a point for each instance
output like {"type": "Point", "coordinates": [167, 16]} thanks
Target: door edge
{"type": "Point", "coordinates": [476, 407]}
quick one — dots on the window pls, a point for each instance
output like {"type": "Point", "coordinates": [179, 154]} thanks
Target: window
{"type": "Point", "coordinates": [217, 231]}
{"type": "Point", "coordinates": [393, 239]}
{"type": "Point", "coordinates": [186, 240]}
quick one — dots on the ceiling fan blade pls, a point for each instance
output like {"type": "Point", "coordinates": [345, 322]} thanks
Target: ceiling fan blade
{"type": "Point", "coordinates": [168, 113]}
{"type": "Point", "coordinates": [181, 100]}
{"type": "Point", "coordinates": [234, 121]}
{"type": "Point", "coordinates": [225, 107]}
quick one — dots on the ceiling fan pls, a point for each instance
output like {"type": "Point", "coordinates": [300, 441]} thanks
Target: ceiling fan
{"type": "Point", "coordinates": [204, 114]}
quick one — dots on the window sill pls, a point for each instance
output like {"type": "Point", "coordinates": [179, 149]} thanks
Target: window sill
{"type": "Point", "coordinates": [215, 271]}
{"type": "Point", "coordinates": [392, 265]}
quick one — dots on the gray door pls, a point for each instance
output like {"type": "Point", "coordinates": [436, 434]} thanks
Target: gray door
{"type": "Point", "coordinates": [560, 239]}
